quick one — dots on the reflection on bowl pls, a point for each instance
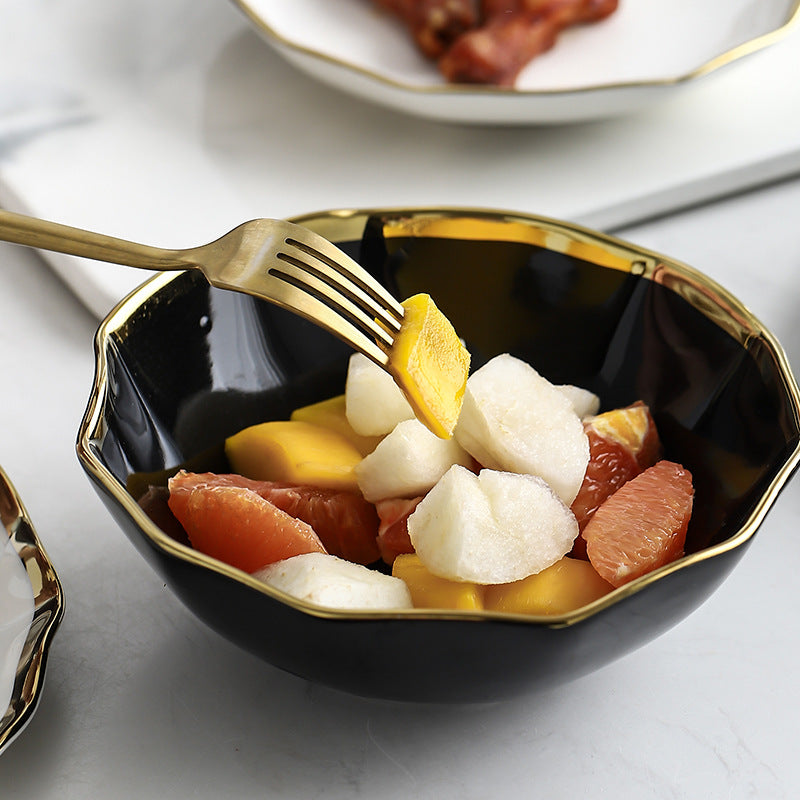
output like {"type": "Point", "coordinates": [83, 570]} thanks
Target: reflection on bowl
{"type": "Point", "coordinates": [180, 366]}
{"type": "Point", "coordinates": [29, 614]}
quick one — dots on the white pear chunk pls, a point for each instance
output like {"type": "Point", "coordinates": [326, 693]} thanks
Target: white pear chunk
{"type": "Point", "coordinates": [332, 582]}
{"type": "Point", "coordinates": [374, 403]}
{"type": "Point", "coordinates": [584, 402]}
{"type": "Point", "coordinates": [515, 420]}
{"type": "Point", "coordinates": [407, 462]}
{"type": "Point", "coordinates": [495, 527]}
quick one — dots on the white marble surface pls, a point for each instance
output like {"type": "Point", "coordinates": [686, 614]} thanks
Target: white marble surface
{"type": "Point", "coordinates": [170, 121]}
{"type": "Point", "coordinates": [141, 700]}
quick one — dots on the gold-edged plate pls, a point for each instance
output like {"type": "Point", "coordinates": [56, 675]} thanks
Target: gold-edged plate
{"type": "Point", "coordinates": [31, 609]}
{"type": "Point", "coordinates": [644, 52]}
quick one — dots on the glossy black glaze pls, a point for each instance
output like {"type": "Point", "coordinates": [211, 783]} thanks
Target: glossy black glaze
{"type": "Point", "coordinates": [194, 365]}
{"type": "Point", "coordinates": [436, 660]}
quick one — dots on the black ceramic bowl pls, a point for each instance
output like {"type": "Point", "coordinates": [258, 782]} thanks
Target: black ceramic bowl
{"type": "Point", "coordinates": [180, 366]}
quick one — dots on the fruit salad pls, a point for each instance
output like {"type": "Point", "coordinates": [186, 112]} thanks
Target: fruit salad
{"type": "Point", "coordinates": [424, 486]}
{"type": "Point", "coordinates": [512, 494]}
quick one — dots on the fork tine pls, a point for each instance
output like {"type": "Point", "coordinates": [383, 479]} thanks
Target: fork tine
{"type": "Point", "coordinates": [316, 283]}
{"type": "Point", "coordinates": [297, 299]}
{"type": "Point", "coordinates": [358, 284]}
{"type": "Point", "coordinates": [310, 263]}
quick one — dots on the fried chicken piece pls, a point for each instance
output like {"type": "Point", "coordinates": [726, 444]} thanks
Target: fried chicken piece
{"type": "Point", "coordinates": [515, 31]}
{"type": "Point", "coordinates": [434, 24]}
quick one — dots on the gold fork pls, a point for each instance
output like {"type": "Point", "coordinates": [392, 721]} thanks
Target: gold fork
{"type": "Point", "coordinates": [276, 260]}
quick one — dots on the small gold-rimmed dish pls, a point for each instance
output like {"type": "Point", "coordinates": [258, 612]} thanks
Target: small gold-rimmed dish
{"type": "Point", "coordinates": [181, 366]}
{"type": "Point", "coordinates": [641, 54]}
{"type": "Point", "coordinates": [31, 608]}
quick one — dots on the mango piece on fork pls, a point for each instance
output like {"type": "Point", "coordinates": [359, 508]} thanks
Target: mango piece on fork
{"type": "Point", "coordinates": [430, 364]}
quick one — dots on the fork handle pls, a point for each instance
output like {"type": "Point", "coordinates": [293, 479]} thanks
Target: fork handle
{"type": "Point", "coordinates": [39, 233]}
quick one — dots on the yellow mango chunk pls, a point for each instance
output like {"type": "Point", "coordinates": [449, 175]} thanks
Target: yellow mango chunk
{"type": "Point", "coordinates": [431, 591]}
{"type": "Point", "coordinates": [566, 585]}
{"type": "Point", "coordinates": [331, 414]}
{"type": "Point", "coordinates": [430, 364]}
{"type": "Point", "coordinates": [295, 452]}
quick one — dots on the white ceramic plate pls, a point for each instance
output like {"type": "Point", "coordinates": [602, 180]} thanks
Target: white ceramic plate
{"type": "Point", "coordinates": [644, 51]}
{"type": "Point", "coordinates": [31, 608]}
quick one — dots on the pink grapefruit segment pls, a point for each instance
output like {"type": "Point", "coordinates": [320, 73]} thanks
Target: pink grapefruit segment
{"type": "Point", "coordinates": [622, 443]}
{"type": "Point", "coordinates": [642, 526]}
{"type": "Point", "coordinates": [393, 538]}
{"type": "Point", "coordinates": [346, 524]}
{"type": "Point", "coordinates": [236, 525]}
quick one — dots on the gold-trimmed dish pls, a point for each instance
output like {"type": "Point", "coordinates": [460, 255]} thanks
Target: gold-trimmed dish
{"type": "Point", "coordinates": [180, 366]}
{"type": "Point", "coordinates": [644, 52]}
{"type": "Point", "coordinates": [31, 609]}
